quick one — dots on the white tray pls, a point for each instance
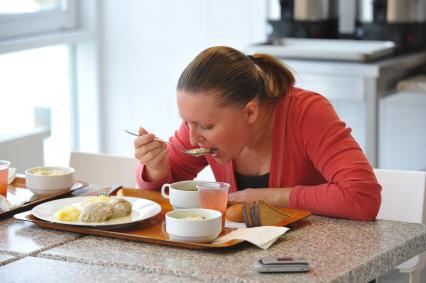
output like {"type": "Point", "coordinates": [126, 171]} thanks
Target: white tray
{"type": "Point", "coordinates": [330, 49]}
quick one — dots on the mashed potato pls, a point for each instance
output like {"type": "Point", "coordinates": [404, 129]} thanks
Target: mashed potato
{"type": "Point", "coordinates": [69, 213]}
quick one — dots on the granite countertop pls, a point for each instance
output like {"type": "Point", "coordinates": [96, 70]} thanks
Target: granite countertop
{"type": "Point", "coordinates": [414, 84]}
{"type": "Point", "coordinates": [338, 251]}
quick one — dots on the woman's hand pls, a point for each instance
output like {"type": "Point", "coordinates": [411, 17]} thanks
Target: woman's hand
{"type": "Point", "coordinates": [275, 196]}
{"type": "Point", "coordinates": [152, 154]}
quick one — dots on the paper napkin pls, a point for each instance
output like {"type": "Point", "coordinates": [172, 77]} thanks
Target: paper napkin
{"type": "Point", "coordinates": [262, 236]}
{"type": "Point", "coordinates": [235, 225]}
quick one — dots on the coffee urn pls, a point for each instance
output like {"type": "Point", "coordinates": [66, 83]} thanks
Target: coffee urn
{"type": "Point", "coordinates": [400, 21]}
{"type": "Point", "coordinates": [306, 19]}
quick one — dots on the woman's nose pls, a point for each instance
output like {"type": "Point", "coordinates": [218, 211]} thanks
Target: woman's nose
{"type": "Point", "coordinates": [194, 137]}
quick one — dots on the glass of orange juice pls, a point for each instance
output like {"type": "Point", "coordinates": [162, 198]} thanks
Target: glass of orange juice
{"type": "Point", "coordinates": [214, 195]}
{"type": "Point", "coordinates": [4, 169]}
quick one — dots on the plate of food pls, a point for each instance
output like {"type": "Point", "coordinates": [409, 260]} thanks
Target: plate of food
{"type": "Point", "coordinates": [97, 211]}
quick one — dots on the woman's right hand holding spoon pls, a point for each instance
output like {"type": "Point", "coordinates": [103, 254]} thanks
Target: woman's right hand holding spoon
{"type": "Point", "coordinates": [152, 154]}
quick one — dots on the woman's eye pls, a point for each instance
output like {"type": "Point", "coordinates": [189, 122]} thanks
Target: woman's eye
{"type": "Point", "coordinates": [206, 127]}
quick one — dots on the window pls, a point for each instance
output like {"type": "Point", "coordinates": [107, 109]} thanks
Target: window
{"type": "Point", "coordinates": [35, 84]}
{"type": "Point", "coordinates": [39, 40]}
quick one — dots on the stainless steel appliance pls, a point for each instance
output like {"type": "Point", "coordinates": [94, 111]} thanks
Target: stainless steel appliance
{"type": "Point", "coordinates": [401, 21]}
{"type": "Point", "coordinates": [306, 19]}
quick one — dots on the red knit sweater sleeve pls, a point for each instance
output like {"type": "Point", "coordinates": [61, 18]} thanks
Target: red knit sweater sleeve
{"type": "Point", "coordinates": [351, 189]}
{"type": "Point", "coordinates": [181, 166]}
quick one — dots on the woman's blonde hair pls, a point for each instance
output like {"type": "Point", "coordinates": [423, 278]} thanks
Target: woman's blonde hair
{"type": "Point", "coordinates": [236, 78]}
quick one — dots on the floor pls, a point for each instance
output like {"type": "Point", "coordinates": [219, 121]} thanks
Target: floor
{"type": "Point", "coordinates": [395, 276]}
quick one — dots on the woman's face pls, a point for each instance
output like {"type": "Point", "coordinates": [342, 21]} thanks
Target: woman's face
{"type": "Point", "coordinates": [210, 125]}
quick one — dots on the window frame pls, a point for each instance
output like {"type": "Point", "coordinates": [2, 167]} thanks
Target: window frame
{"type": "Point", "coordinates": [27, 24]}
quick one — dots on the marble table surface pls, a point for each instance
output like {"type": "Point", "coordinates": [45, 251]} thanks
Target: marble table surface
{"type": "Point", "coordinates": [337, 250]}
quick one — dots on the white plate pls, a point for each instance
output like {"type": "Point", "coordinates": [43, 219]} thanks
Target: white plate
{"type": "Point", "coordinates": [141, 209]}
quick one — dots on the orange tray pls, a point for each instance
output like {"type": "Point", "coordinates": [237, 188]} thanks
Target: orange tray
{"type": "Point", "coordinates": [17, 192]}
{"type": "Point", "coordinates": [151, 230]}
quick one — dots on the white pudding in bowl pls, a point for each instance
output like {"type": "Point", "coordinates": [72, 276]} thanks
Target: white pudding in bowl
{"type": "Point", "coordinates": [45, 181]}
{"type": "Point", "coordinates": [197, 225]}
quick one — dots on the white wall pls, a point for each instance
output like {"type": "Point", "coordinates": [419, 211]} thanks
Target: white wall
{"type": "Point", "coordinates": [144, 47]}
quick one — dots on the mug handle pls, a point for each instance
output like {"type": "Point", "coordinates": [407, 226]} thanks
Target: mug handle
{"type": "Point", "coordinates": [163, 191]}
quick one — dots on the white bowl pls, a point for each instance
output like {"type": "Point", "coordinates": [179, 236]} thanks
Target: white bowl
{"type": "Point", "coordinates": [181, 227]}
{"type": "Point", "coordinates": [45, 181]}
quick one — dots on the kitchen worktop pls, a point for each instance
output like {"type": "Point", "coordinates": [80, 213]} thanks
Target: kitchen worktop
{"type": "Point", "coordinates": [338, 251]}
{"type": "Point", "coordinates": [415, 84]}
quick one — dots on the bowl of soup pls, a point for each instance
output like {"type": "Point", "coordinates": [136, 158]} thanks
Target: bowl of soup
{"type": "Point", "coordinates": [197, 225]}
{"type": "Point", "coordinates": [46, 181]}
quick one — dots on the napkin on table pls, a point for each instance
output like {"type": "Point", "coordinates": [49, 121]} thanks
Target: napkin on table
{"type": "Point", "coordinates": [262, 236]}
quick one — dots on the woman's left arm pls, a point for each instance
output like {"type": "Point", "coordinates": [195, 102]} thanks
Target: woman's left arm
{"type": "Point", "coordinates": [350, 189]}
{"type": "Point", "coordinates": [278, 197]}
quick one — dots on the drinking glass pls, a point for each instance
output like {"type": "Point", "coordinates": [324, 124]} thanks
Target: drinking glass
{"type": "Point", "coordinates": [4, 169]}
{"type": "Point", "coordinates": [214, 195]}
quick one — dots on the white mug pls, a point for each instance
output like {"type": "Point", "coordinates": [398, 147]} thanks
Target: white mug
{"type": "Point", "coordinates": [182, 194]}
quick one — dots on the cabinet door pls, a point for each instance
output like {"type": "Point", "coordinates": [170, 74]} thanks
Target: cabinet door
{"type": "Point", "coordinates": [403, 131]}
{"type": "Point", "coordinates": [333, 87]}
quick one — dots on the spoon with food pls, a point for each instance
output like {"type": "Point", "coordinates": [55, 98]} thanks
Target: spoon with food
{"type": "Point", "coordinates": [194, 152]}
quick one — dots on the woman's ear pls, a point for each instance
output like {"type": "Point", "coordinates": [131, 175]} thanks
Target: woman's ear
{"type": "Point", "coordinates": [251, 111]}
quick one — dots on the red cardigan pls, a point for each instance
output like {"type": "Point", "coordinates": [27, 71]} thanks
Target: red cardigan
{"type": "Point", "coordinates": [313, 152]}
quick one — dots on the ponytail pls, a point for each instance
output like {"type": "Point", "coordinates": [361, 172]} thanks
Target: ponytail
{"type": "Point", "coordinates": [277, 78]}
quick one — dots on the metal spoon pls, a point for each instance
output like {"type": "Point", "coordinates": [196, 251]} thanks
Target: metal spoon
{"type": "Point", "coordinates": [194, 152]}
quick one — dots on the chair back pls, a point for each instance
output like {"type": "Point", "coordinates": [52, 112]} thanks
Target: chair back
{"type": "Point", "coordinates": [403, 195]}
{"type": "Point", "coordinates": [104, 169]}
{"type": "Point", "coordinates": [404, 199]}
